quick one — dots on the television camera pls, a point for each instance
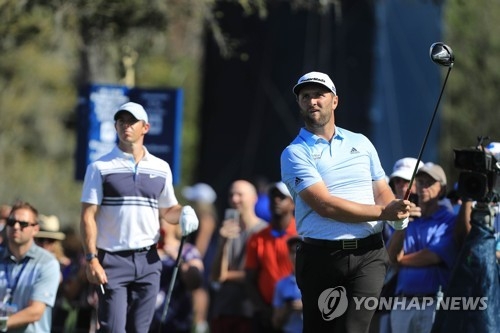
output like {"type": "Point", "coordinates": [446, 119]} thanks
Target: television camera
{"type": "Point", "coordinates": [479, 179]}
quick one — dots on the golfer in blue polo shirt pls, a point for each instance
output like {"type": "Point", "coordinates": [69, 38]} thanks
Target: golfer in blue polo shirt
{"type": "Point", "coordinates": [341, 196]}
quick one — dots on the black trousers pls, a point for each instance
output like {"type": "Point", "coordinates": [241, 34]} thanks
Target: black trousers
{"type": "Point", "coordinates": [329, 279]}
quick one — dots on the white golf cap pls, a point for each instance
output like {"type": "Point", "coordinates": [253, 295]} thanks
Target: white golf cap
{"type": "Point", "coordinates": [135, 109]}
{"type": "Point", "coordinates": [315, 77]}
{"type": "Point", "coordinates": [404, 168]}
{"type": "Point", "coordinates": [200, 192]}
{"type": "Point", "coordinates": [281, 187]}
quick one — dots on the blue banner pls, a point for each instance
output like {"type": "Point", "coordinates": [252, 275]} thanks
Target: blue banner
{"type": "Point", "coordinates": [96, 126]}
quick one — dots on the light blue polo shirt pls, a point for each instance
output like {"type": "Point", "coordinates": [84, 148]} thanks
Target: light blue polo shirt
{"type": "Point", "coordinates": [347, 165]}
{"type": "Point", "coordinates": [36, 277]}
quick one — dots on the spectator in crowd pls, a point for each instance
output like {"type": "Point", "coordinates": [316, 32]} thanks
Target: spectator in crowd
{"type": "Point", "coordinates": [30, 275]}
{"type": "Point", "coordinates": [476, 272]}
{"type": "Point", "coordinates": [287, 299]}
{"type": "Point", "coordinates": [179, 317]}
{"type": "Point", "coordinates": [231, 306]}
{"type": "Point", "coordinates": [4, 214]}
{"type": "Point", "coordinates": [75, 310]}
{"type": "Point", "coordinates": [262, 206]}
{"type": "Point", "coordinates": [399, 181]}
{"type": "Point", "coordinates": [444, 201]}
{"type": "Point", "coordinates": [202, 198]}
{"type": "Point", "coordinates": [425, 253]}
{"type": "Point", "coordinates": [400, 177]}
{"type": "Point", "coordinates": [268, 257]}
{"type": "Point", "coordinates": [50, 238]}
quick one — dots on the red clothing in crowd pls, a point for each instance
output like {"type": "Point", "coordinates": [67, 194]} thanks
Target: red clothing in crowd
{"type": "Point", "coordinates": [267, 253]}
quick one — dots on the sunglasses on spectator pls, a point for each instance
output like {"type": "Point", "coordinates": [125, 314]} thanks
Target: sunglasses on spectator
{"type": "Point", "coordinates": [23, 224]}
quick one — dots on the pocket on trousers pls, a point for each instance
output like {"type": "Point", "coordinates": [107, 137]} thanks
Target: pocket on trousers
{"type": "Point", "coordinates": [299, 263]}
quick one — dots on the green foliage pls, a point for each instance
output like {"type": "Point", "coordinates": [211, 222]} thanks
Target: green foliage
{"type": "Point", "coordinates": [471, 96]}
{"type": "Point", "coordinates": [50, 49]}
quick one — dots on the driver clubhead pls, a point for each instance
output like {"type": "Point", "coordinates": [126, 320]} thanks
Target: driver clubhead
{"type": "Point", "coordinates": [442, 54]}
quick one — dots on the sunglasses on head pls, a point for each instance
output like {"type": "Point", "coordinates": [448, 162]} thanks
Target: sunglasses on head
{"type": "Point", "coordinates": [23, 224]}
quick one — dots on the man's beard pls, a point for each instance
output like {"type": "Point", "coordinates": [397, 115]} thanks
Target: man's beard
{"type": "Point", "coordinates": [317, 123]}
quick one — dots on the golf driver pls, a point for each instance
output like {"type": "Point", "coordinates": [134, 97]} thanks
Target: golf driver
{"type": "Point", "coordinates": [172, 282]}
{"type": "Point", "coordinates": [442, 55]}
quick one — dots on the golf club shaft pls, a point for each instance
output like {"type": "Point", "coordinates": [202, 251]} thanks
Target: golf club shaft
{"type": "Point", "coordinates": [172, 282]}
{"type": "Point", "coordinates": [408, 191]}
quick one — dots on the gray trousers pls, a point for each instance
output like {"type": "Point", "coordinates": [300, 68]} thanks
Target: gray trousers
{"type": "Point", "coordinates": [413, 320]}
{"type": "Point", "coordinates": [129, 301]}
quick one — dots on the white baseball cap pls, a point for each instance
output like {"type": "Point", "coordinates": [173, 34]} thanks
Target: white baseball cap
{"type": "Point", "coordinates": [281, 187]}
{"type": "Point", "coordinates": [404, 168]}
{"type": "Point", "coordinates": [315, 77]}
{"type": "Point", "coordinates": [199, 192]}
{"type": "Point", "coordinates": [135, 109]}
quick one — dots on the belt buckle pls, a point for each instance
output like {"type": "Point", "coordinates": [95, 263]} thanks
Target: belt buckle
{"type": "Point", "coordinates": [349, 244]}
{"type": "Point", "coordinates": [143, 249]}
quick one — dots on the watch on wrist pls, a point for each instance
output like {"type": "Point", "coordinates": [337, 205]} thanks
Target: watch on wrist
{"type": "Point", "coordinates": [90, 256]}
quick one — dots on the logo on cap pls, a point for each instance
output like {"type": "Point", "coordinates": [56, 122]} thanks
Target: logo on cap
{"type": "Point", "coordinates": [315, 77]}
{"type": "Point", "coordinates": [312, 79]}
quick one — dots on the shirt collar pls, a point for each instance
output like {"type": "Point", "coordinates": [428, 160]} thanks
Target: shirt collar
{"type": "Point", "coordinates": [312, 139]}
{"type": "Point", "coordinates": [6, 254]}
{"type": "Point", "coordinates": [120, 153]}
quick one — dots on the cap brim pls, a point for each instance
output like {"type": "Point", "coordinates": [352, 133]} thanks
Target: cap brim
{"type": "Point", "coordinates": [51, 234]}
{"type": "Point", "coordinates": [406, 175]}
{"type": "Point", "coordinates": [298, 86]}
{"type": "Point", "coordinates": [433, 175]}
{"type": "Point", "coordinates": [281, 188]}
{"type": "Point", "coordinates": [120, 111]}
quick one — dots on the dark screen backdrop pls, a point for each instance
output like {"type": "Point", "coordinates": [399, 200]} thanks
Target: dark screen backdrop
{"type": "Point", "coordinates": [249, 113]}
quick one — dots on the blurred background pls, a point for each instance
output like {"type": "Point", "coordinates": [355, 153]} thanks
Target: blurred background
{"type": "Point", "coordinates": [236, 62]}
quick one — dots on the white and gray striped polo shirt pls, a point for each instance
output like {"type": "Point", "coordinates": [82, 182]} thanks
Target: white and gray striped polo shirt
{"type": "Point", "coordinates": [129, 196]}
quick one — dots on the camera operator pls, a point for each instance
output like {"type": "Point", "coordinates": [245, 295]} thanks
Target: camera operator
{"type": "Point", "coordinates": [476, 274]}
{"type": "Point", "coordinates": [494, 149]}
